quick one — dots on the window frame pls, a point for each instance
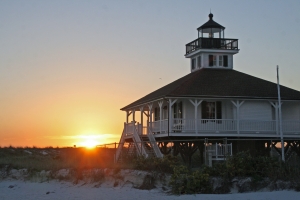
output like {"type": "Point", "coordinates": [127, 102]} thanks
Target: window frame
{"type": "Point", "coordinates": [199, 62]}
{"type": "Point", "coordinates": [221, 61]}
{"type": "Point", "coordinates": [193, 63]}
{"type": "Point", "coordinates": [216, 115]}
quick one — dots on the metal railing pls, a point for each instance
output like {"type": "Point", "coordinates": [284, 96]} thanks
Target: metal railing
{"type": "Point", "coordinates": [211, 43]}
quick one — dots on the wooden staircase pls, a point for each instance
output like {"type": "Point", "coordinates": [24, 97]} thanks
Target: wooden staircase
{"type": "Point", "coordinates": [147, 145]}
{"type": "Point", "coordinates": [144, 145]}
{"type": "Point", "coordinates": [127, 152]}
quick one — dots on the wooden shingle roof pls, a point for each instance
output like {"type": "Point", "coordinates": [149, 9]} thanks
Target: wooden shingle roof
{"type": "Point", "coordinates": [218, 83]}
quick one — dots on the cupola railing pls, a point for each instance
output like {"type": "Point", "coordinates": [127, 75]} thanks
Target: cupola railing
{"type": "Point", "coordinates": [211, 43]}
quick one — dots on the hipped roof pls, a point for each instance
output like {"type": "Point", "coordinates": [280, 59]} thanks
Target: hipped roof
{"type": "Point", "coordinates": [219, 83]}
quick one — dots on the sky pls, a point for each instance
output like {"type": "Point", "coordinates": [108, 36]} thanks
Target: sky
{"type": "Point", "coordinates": [68, 66]}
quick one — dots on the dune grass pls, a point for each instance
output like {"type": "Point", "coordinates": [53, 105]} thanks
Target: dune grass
{"type": "Point", "coordinates": [56, 158]}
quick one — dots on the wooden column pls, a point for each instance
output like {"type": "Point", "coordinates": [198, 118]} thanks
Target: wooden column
{"type": "Point", "coordinates": [196, 103]}
{"type": "Point", "coordinates": [148, 121]}
{"type": "Point", "coordinates": [133, 115]}
{"type": "Point", "coordinates": [128, 113]}
{"type": "Point", "coordinates": [171, 103]}
{"type": "Point", "coordinates": [142, 119]}
{"type": "Point", "coordinates": [160, 103]}
{"type": "Point", "coordinates": [150, 114]}
{"type": "Point", "coordinates": [275, 105]}
{"type": "Point", "coordinates": [238, 105]}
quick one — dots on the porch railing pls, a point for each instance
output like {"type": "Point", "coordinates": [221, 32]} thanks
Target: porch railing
{"type": "Point", "coordinates": [211, 43]}
{"type": "Point", "coordinates": [291, 126]}
{"type": "Point", "coordinates": [129, 128]}
{"type": "Point", "coordinates": [204, 125]}
{"type": "Point", "coordinates": [160, 126]}
{"type": "Point", "coordinates": [215, 126]}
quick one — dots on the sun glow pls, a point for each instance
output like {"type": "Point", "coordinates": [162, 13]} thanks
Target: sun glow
{"type": "Point", "coordinates": [91, 140]}
{"type": "Point", "coordinates": [89, 143]}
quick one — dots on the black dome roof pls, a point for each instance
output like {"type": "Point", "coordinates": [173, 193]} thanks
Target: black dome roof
{"type": "Point", "coordinates": [211, 24]}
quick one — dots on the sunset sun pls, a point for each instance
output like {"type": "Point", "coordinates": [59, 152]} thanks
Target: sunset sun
{"type": "Point", "coordinates": [91, 140]}
{"type": "Point", "coordinates": [89, 143]}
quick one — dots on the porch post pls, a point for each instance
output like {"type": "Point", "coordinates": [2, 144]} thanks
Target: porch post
{"type": "Point", "coordinates": [133, 115]}
{"type": "Point", "coordinates": [171, 103]}
{"type": "Point", "coordinates": [196, 104]}
{"type": "Point", "coordinates": [128, 113]}
{"type": "Point", "coordinates": [148, 121]}
{"type": "Point", "coordinates": [160, 103]}
{"type": "Point", "coordinates": [142, 119]}
{"type": "Point", "coordinates": [275, 105]}
{"type": "Point", "coordinates": [238, 105]}
{"type": "Point", "coordinates": [150, 114]}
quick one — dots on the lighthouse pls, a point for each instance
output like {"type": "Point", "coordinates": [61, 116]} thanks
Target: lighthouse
{"type": "Point", "coordinates": [211, 49]}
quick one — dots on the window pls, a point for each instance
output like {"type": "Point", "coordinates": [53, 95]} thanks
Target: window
{"type": "Point", "coordinates": [211, 110]}
{"type": "Point", "coordinates": [193, 63]}
{"type": "Point", "coordinates": [177, 110]}
{"type": "Point", "coordinates": [156, 114]}
{"type": "Point", "coordinates": [199, 61]}
{"type": "Point", "coordinates": [220, 60]}
{"type": "Point", "coordinates": [212, 60]}
{"type": "Point", "coordinates": [225, 61]}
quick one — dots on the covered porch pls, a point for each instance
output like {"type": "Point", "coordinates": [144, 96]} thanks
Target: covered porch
{"type": "Point", "coordinates": [214, 117]}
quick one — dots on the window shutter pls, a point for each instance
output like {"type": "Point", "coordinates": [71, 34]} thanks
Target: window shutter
{"type": "Point", "coordinates": [193, 63]}
{"type": "Point", "coordinates": [219, 110]}
{"type": "Point", "coordinates": [225, 61]}
{"type": "Point", "coordinates": [203, 110]}
{"type": "Point", "coordinates": [211, 60]}
{"type": "Point", "coordinates": [199, 61]}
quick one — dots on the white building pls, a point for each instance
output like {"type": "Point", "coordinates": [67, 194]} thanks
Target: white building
{"type": "Point", "coordinates": [214, 109]}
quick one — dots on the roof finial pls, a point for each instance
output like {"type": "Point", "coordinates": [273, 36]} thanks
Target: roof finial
{"type": "Point", "coordinates": [210, 15]}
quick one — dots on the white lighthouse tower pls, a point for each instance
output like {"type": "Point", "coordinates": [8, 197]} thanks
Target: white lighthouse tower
{"type": "Point", "coordinates": [211, 49]}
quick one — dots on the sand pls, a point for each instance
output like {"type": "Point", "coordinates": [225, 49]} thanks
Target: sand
{"type": "Point", "coordinates": [17, 189]}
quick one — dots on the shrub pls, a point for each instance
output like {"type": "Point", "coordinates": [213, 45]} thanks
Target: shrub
{"type": "Point", "coordinates": [164, 164]}
{"type": "Point", "coordinates": [184, 181]}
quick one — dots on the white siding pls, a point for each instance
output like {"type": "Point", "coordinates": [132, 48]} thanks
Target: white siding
{"type": "Point", "coordinates": [256, 110]}
{"type": "Point", "coordinates": [189, 110]}
{"type": "Point", "coordinates": [205, 61]}
{"type": "Point", "coordinates": [290, 111]}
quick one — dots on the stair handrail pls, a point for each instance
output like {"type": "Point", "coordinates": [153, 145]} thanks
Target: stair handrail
{"type": "Point", "coordinates": [154, 144]}
{"type": "Point", "coordinates": [121, 143]}
{"type": "Point", "coordinates": [137, 140]}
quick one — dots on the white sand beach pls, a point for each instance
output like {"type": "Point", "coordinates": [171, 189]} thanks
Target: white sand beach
{"type": "Point", "coordinates": [17, 189]}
